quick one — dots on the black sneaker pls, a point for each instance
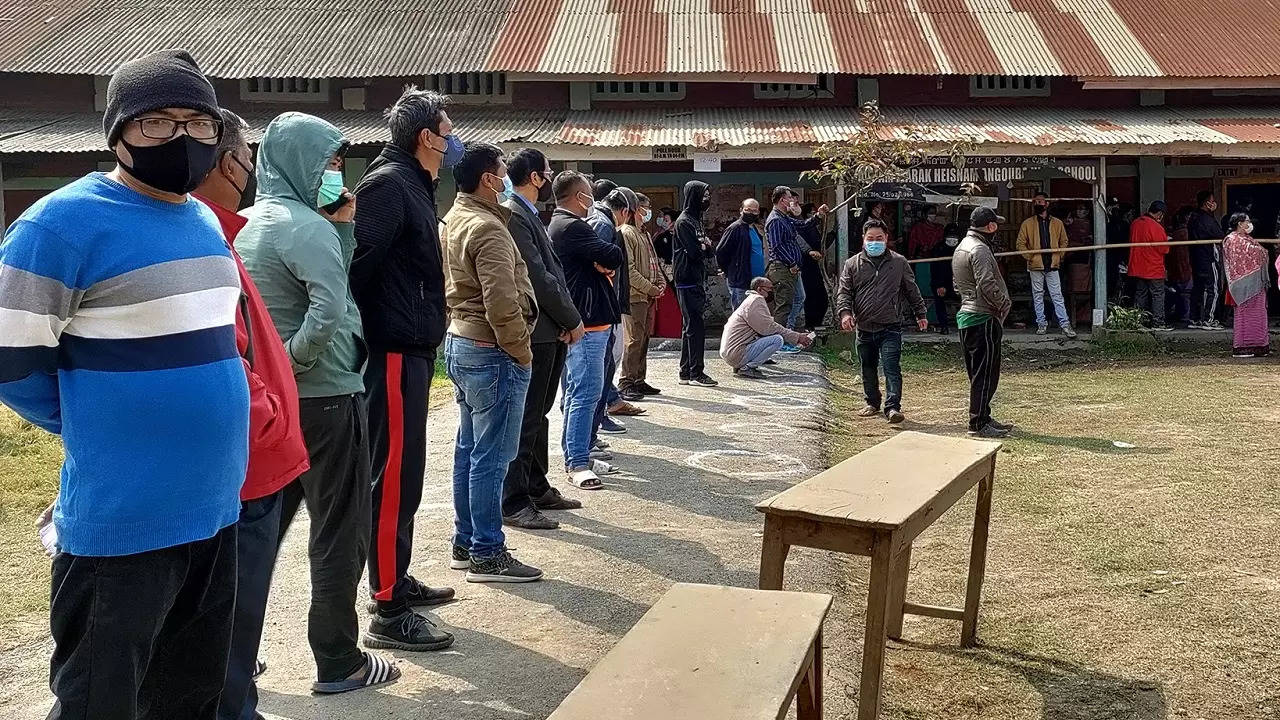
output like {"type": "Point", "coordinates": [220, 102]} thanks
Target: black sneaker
{"type": "Point", "coordinates": [895, 416]}
{"type": "Point", "coordinates": [461, 559]}
{"type": "Point", "coordinates": [703, 380]}
{"type": "Point", "coordinates": [609, 426]}
{"type": "Point", "coordinates": [419, 595]}
{"type": "Point", "coordinates": [684, 381]}
{"type": "Point", "coordinates": [749, 373]}
{"type": "Point", "coordinates": [530, 519]}
{"type": "Point", "coordinates": [554, 500]}
{"type": "Point", "coordinates": [631, 395]}
{"type": "Point", "coordinates": [989, 431]}
{"type": "Point", "coordinates": [502, 568]}
{"type": "Point", "coordinates": [1007, 427]}
{"type": "Point", "coordinates": [408, 631]}
{"type": "Point", "coordinates": [645, 388]}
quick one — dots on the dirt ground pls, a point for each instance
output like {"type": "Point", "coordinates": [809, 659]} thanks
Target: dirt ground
{"type": "Point", "coordinates": [1122, 583]}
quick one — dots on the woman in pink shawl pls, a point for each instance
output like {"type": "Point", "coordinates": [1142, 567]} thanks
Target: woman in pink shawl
{"type": "Point", "coordinates": [1246, 263]}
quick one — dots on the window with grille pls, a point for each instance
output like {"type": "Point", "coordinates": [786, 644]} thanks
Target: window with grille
{"type": "Point", "coordinates": [824, 88]}
{"type": "Point", "coordinates": [637, 90]}
{"type": "Point", "coordinates": [1008, 86]}
{"type": "Point", "coordinates": [472, 87]}
{"type": "Point", "coordinates": [287, 89]}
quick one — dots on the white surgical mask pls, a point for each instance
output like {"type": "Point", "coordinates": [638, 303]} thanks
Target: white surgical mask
{"type": "Point", "coordinates": [1248, 228]}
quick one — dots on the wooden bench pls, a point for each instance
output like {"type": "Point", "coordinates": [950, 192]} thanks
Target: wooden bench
{"type": "Point", "coordinates": [875, 504]}
{"type": "Point", "coordinates": [704, 652]}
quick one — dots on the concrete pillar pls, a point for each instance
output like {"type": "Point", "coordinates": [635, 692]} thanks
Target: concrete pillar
{"type": "Point", "coordinates": [842, 227]}
{"type": "Point", "coordinates": [1150, 181]}
{"type": "Point", "coordinates": [1100, 238]}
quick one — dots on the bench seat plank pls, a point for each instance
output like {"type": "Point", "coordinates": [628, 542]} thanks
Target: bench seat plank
{"type": "Point", "coordinates": [889, 486]}
{"type": "Point", "coordinates": [707, 653]}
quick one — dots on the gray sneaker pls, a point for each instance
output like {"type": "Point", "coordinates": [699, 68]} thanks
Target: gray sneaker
{"type": "Point", "coordinates": [989, 431]}
{"type": "Point", "coordinates": [1070, 332]}
{"type": "Point", "coordinates": [749, 373]}
{"type": "Point", "coordinates": [408, 631]}
{"type": "Point", "coordinates": [530, 519]}
{"type": "Point", "coordinates": [502, 568]}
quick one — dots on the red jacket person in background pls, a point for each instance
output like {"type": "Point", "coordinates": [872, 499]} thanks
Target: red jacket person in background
{"type": "Point", "coordinates": [1146, 264]}
{"type": "Point", "coordinates": [277, 453]}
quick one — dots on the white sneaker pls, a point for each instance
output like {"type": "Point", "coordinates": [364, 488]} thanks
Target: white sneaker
{"type": "Point", "coordinates": [1042, 329]}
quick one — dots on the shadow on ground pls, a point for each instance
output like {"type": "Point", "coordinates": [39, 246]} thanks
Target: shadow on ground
{"type": "Point", "coordinates": [1069, 691]}
{"type": "Point", "coordinates": [1100, 446]}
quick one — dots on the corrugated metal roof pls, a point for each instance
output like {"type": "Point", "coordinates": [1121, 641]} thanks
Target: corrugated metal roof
{"type": "Point", "coordinates": [1032, 128]}
{"type": "Point", "coordinates": [42, 132]}
{"type": "Point", "coordinates": [369, 38]}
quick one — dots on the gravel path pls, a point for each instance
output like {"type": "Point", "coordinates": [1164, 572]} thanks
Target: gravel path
{"type": "Point", "coordinates": [681, 510]}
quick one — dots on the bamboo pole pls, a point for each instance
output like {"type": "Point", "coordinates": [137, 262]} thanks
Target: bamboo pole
{"type": "Point", "coordinates": [1090, 248]}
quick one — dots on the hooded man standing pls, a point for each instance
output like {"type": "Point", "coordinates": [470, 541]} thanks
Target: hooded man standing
{"type": "Point", "coordinates": [526, 491]}
{"type": "Point", "coordinates": [691, 249]}
{"type": "Point", "coordinates": [118, 303]}
{"type": "Point", "coordinates": [873, 285]}
{"type": "Point", "coordinates": [984, 305]}
{"type": "Point", "coordinates": [487, 355]}
{"type": "Point", "coordinates": [277, 454]}
{"type": "Point", "coordinates": [741, 252]}
{"type": "Point", "coordinates": [299, 255]}
{"type": "Point", "coordinates": [1042, 231]}
{"type": "Point", "coordinates": [397, 282]}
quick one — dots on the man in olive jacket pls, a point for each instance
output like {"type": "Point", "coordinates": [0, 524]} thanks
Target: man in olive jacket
{"type": "Point", "coordinates": [984, 305]}
{"type": "Point", "coordinates": [1042, 231]}
{"type": "Point", "coordinates": [526, 491]}
{"type": "Point", "coordinates": [488, 356]}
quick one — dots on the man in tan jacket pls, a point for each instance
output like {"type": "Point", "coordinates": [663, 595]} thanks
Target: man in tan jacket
{"type": "Point", "coordinates": [751, 335]}
{"type": "Point", "coordinates": [1042, 231]}
{"type": "Point", "coordinates": [487, 355]}
{"type": "Point", "coordinates": [647, 285]}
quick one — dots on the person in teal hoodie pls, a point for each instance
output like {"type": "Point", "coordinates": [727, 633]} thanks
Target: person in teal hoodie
{"type": "Point", "coordinates": [298, 254]}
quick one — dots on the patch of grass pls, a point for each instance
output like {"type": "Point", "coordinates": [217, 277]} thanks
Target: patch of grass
{"type": "Point", "coordinates": [1121, 583]}
{"type": "Point", "coordinates": [30, 459]}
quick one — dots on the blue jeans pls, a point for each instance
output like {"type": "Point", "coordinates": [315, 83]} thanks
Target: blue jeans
{"type": "Point", "coordinates": [882, 347]}
{"type": "Point", "coordinates": [582, 383]}
{"type": "Point", "coordinates": [736, 296]}
{"type": "Point", "coordinates": [761, 350]}
{"type": "Point", "coordinates": [797, 305]}
{"type": "Point", "coordinates": [609, 395]}
{"type": "Point", "coordinates": [490, 389]}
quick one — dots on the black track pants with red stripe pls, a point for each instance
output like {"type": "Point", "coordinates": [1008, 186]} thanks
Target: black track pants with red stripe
{"type": "Point", "coordinates": [397, 388]}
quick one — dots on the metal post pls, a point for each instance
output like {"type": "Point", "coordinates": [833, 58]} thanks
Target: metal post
{"type": "Point", "coordinates": [842, 226]}
{"type": "Point", "coordinates": [1099, 238]}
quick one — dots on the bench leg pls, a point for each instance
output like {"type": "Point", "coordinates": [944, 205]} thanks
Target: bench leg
{"type": "Point", "coordinates": [977, 560]}
{"type": "Point", "coordinates": [809, 701]}
{"type": "Point", "coordinates": [877, 626]}
{"type": "Point", "coordinates": [898, 592]}
{"type": "Point", "coordinates": [773, 555]}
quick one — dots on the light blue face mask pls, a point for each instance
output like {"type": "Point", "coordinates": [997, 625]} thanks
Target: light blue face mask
{"type": "Point", "coordinates": [875, 248]}
{"type": "Point", "coordinates": [330, 188]}
{"type": "Point", "coordinates": [508, 191]}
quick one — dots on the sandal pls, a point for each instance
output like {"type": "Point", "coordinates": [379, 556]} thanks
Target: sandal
{"type": "Point", "coordinates": [585, 480]}
{"type": "Point", "coordinates": [377, 671]}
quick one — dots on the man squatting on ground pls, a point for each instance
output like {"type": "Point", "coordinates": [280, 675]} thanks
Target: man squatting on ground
{"type": "Point", "coordinates": [873, 285]}
{"type": "Point", "coordinates": [751, 335]}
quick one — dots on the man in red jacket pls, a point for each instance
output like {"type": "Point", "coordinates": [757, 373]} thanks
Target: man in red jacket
{"type": "Point", "coordinates": [1146, 264]}
{"type": "Point", "coordinates": [277, 453]}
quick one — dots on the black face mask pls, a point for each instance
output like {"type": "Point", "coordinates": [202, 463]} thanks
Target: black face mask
{"type": "Point", "coordinates": [750, 218]}
{"type": "Point", "coordinates": [706, 203]}
{"type": "Point", "coordinates": [178, 166]}
{"type": "Point", "coordinates": [544, 192]}
{"type": "Point", "coordinates": [1042, 209]}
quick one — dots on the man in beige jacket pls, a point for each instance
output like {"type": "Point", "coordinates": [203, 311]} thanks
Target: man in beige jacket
{"type": "Point", "coordinates": [647, 285]}
{"type": "Point", "coordinates": [751, 335]}
{"type": "Point", "coordinates": [488, 356]}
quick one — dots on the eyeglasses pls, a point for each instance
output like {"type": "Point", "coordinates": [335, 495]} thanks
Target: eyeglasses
{"type": "Point", "coordinates": [157, 128]}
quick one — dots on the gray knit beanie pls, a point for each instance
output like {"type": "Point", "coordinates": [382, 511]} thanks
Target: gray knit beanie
{"type": "Point", "coordinates": [164, 79]}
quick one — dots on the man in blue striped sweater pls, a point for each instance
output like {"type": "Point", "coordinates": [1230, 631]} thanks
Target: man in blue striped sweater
{"type": "Point", "coordinates": [118, 299]}
{"type": "Point", "coordinates": [787, 250]}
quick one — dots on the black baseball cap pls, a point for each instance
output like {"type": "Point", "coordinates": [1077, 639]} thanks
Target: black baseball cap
{"type": "Point", "coordinates": [1157, 206]}
{"type": "Point", "coordinates": [983, 217]}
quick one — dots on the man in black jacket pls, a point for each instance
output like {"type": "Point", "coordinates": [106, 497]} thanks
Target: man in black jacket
{"type": "Point", "coordinates": [398, 283]}
{"type": "Point", "coordinates": [526, 491]}
{"type": "Point", "coordinates": [741, 252]}
{"type": "Point", "coordinates": [1206, 263]}
{"type": "Point", "coordinates": [590, 266]}
{"type": "Point", "coordinates": [692, 247]}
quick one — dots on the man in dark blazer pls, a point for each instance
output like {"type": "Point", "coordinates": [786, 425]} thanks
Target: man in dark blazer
{"type": "Point", "coordinates": [526, 491]}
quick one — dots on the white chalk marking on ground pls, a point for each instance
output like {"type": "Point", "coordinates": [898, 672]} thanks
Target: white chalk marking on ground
{"type": "Point", "coordinates": [786, 464]}
{"type": "Point", "coordinates": [812, 381]}
{"type": "Point", "coordinates": [739, 427]}
{"type": "Point", "coordinates": [787, 402]}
